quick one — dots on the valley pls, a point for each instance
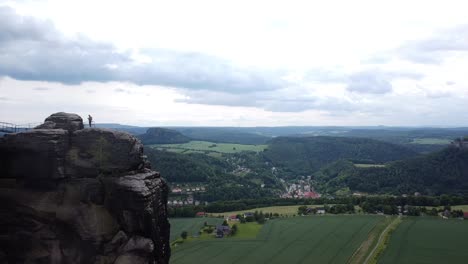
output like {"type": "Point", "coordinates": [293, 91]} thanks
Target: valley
{"type": "Point", "coordinates": [338, 196]}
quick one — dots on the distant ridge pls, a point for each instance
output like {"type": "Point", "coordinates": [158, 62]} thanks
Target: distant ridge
{"type": "Point", "coordinates": [158, 135]}
{"type": "Point", "coordinates": [305, 155]}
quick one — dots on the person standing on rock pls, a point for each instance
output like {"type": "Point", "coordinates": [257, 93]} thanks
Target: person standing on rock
{"type": "Point", "coordinates": [90, 120]}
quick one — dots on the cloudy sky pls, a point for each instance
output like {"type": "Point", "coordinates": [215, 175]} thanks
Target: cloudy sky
{"type": "Point", "coordinates": [236, 63]}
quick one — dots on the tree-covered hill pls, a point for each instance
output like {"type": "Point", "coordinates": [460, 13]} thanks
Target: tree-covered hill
{"type": "Point", "coordinates": [192, 167]}
{"type": "Point", "coordinates": [441, 172]}
{"type": "Point", "coordinates": [220, 134]}
{"type": "Point", "coordinates": [306, 155]}
{"type": "Point", "coordinates": [223, 177]}
{"type": "Point", "coordinates": [158, 135]}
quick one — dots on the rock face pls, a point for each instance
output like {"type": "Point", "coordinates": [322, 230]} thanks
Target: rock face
{"type": "Point", "coordinates": [74, 195]}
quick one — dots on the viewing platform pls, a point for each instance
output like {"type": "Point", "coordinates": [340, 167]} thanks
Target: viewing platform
{"type": "Point", "coordinates": [8, 128]}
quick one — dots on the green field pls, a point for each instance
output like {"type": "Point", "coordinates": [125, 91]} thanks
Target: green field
{"type": "Point", "coordinates": [464, 208]}
{"type": "Point", "coordinates": [209, 147]}
{"type": "Point", "coordinates": [428, 240]}
{"type": "Point", "coordinates": [370, 246]}
{"type": "Point", "coordinates": [369, 165]}
{"type": "Point", "coordinates": [247, 230]}
{"type": "Point", "coordinates": [310, 239]}
{"type": "Point", "coordinates": [191, 225]}
{"type": "Point", "coordinates": [431, 141]}
{"type": "Point", "coordinates": [282, 210]}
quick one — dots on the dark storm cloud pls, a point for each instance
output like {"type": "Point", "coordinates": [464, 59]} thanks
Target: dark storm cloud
{"type": "Point", "coordinates": [31, 49]}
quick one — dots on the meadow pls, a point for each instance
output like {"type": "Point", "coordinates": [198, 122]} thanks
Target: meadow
{"type": "Point", "coordinates": [431, 141]}
{"type": "Point", "coordinates": [357, 165]}
{"type": "Point", "coordinates": [428, 240]}
{"type": "Point", "coordinates": [288, 210]}
{"type": "Point", "coordinates": [209, 147]}
{"type": "Point", "coordinates": [191, 225]}
{"type": "Point", "coordinates": [317, 239]}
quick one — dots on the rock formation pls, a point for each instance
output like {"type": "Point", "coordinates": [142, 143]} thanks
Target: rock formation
{"type": "Point", "coordinates": [75, 195]}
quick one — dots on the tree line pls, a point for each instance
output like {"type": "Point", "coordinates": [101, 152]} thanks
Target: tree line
{"type": "Point", "coordinates": [371, 204]}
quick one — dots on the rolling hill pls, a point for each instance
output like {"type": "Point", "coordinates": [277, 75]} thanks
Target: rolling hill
{"type": "Point", "coordinates": [158, 135]}
{"type": "Point", "coordinates": [441, 172]}
{"type": "Point", "coordinates": [305, 155]}
{"type": "Point", "coordinates": [221, 134]}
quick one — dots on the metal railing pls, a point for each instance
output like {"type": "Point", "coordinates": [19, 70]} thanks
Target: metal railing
{"type": "Point", "coordinates": [8, 128]}
{"type": "Point", "coordinates": [14, 128]}
{"type": "Point", "coordinates": [86, 124]}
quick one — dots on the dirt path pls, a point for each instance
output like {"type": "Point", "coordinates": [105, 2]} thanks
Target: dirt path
{"type": "Point", "coordinates": [382, 238]}
{"type": "Point", "coordinates": [360, 254]}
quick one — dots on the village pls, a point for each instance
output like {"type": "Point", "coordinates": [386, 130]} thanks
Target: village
{"type": "Point", "coordinates": [183, 194]}
{"type": "Point", "coordinates": [300, 189]}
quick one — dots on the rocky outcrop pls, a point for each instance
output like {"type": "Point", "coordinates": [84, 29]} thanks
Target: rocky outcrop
{"type": "Point", "coordinates": [61, 120]}
{"type": "Point", "coordinates": [74, 195]}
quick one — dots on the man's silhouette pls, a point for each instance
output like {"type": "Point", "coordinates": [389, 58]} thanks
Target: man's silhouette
{"type": "Point", "coordinates": [90, 120]}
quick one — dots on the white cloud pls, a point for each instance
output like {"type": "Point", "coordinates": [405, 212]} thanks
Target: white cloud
{"type": "Point", "coordinates": [237, 63]}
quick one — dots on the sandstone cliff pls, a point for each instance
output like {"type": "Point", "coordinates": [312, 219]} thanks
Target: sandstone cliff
{"type": "Point", "coordinates": [70, 194]}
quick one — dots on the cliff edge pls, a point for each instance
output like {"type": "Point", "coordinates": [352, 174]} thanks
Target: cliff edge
{"type": "Point", "coordinates": [71, 194]}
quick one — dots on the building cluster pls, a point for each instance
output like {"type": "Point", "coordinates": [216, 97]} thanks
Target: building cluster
{"type": "Point", "coordinates": [184, 195]}
{"type": "Point", "coordinates": [240, 170]}
{"type": "Point", "coordinates": [187, 189]}
{"type": "Point", "coordinates": [301, 189]}
{"type": "Point", "coordinates": [181, 201]}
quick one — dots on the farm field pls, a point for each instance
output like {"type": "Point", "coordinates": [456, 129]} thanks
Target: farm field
{"type": "Point", "coordinates": [366, 250]}
{"type": "Point", "coordinates": [431, 141]}
{"type": "Point", "coordinates": [191, 225]}
{"type": "Point", "coordinates": [369, 165]}
{"type": "Point", "coordinates": [463, 207]}
{"type": "Point", "coordinates": [210, 147]}
{"type": "Point", "coordinates": [318, 239]}
{"type": "Point", "coordinates": [282, 210]}
{"type": "Point", "coordinates": [428, 240]}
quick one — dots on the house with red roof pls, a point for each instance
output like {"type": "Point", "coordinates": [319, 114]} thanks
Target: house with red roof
{"type": "Point", "coordinates": [201, 214]}
{"type": "Point", "coordinates": [233, 218]}
{"type": "Point", "coordinates": [465, 215]}
{"type": "Point", "coordinates": [311, 195]}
